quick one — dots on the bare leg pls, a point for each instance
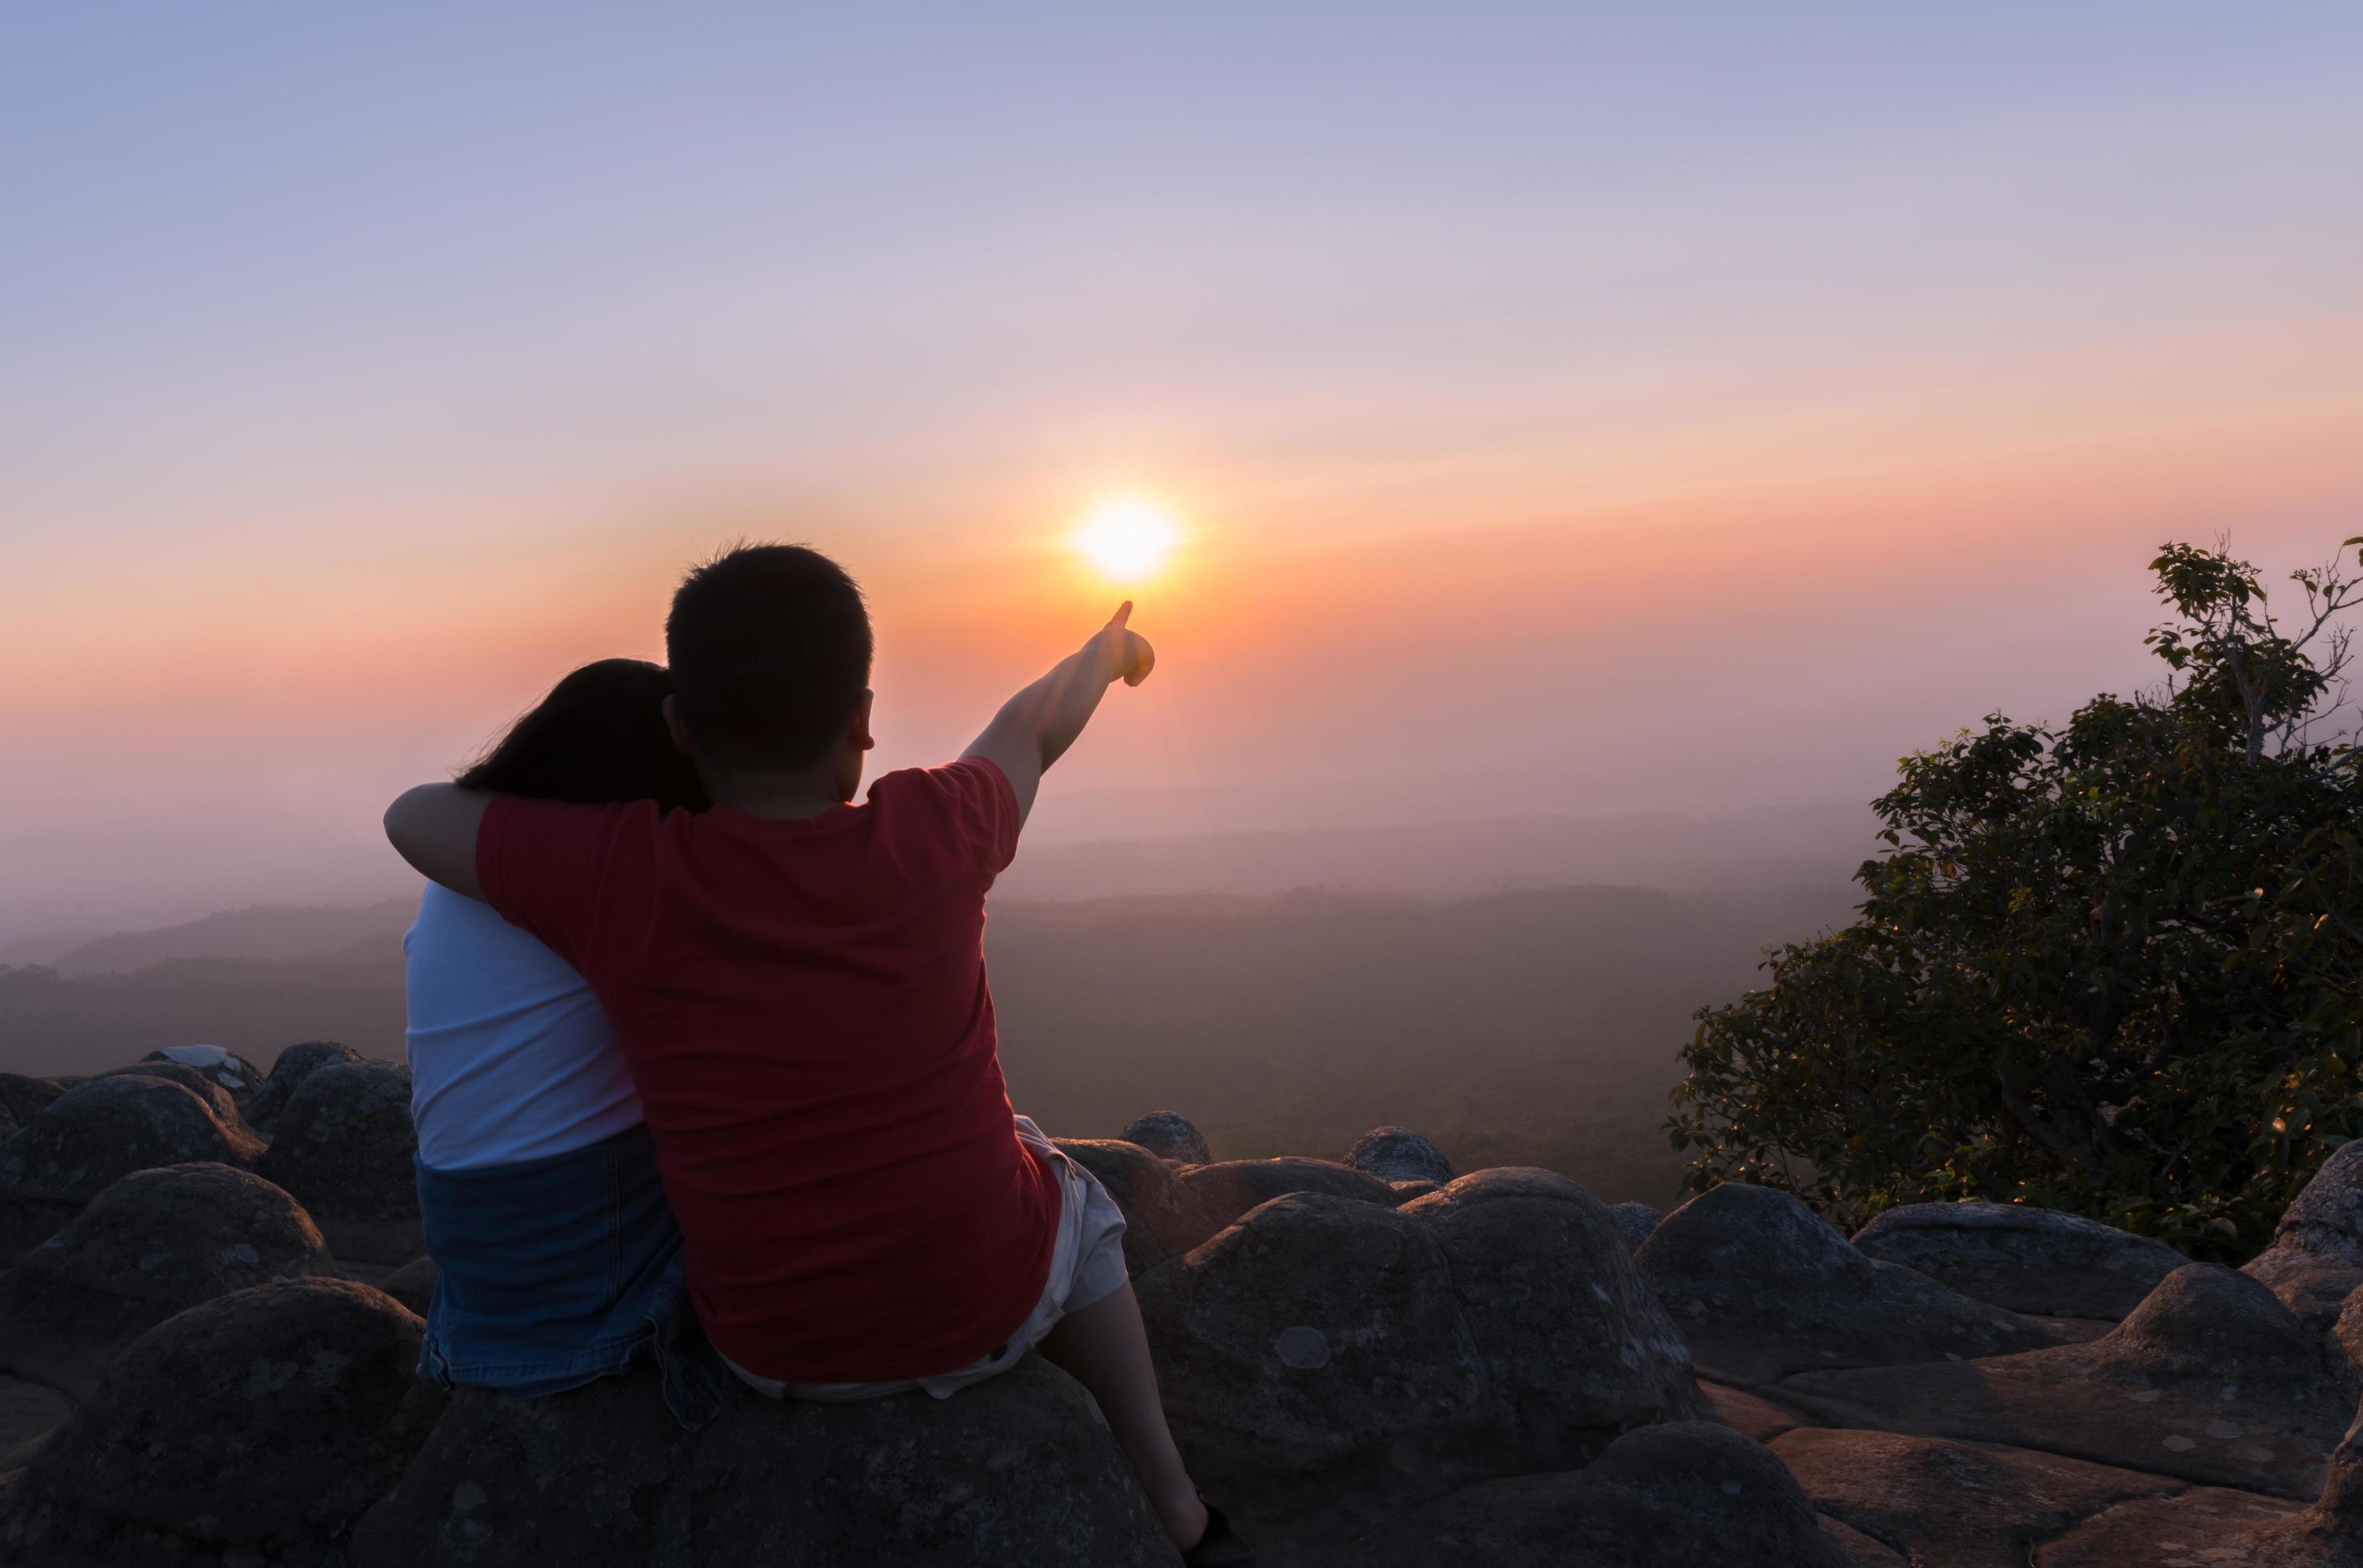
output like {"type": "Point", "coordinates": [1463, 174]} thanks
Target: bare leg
{"type": "Point", "coordinates": [1104, 1348]}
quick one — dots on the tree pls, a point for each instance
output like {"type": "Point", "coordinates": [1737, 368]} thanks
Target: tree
{"type": "Point", "coordinates": [2112, 967]}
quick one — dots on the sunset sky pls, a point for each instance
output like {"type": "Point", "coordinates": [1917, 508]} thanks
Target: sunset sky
{"type": "Point", "coordinates": [1567, 408]}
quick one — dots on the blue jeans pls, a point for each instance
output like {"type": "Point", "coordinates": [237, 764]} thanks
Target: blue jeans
{"type": "Point", "coordinates": [555, 1272]}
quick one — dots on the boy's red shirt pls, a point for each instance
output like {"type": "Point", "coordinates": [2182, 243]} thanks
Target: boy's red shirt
{"type": "Point", "coordinates": [804, 1010]}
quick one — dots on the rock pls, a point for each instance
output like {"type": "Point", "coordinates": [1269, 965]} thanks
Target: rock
{"type": "Point", "coordinates": [1676, 1495]}
{"type": "Point", "coordinates": [2210, 1379]}
{"type": "Point", "coordinates": [293, 1065]}
{"type": "Point", "coordinates": [217, 1099]}
{"type": "Point", "coordinates": [2316, 1261]}
{"type": "Point", "coordinates": [154, 1243]}
{"type": "Point", "coordinates": [1954, 1504]}
{"type": "Point", "coordinates": [232, 1072]}
{"type": "Point", "coordinates": [1226, 1191]}
{"type": "Point", "coordinates": [28, 1412]}
{"type": "Point", "coordinates": [1160, 1219]}
{"type": "Point", "coordinates": [344, 1147]}
{"type": "Point", "coordinates": [1749, 1415]}
{"type": "Point", "coordinates": [2208, 1526]}
{"type": "Point", "coordinates": [1576, 1346]}
{"type": "Point", "coordinates": [92, 1136]}
{"type": "Point", "coordinates": [266, 1419]}
{"type": "Point", "coordinates": [1761, 1286]}
{"type": "Point", "coordinates": [413, 1284]}
{"type": "Point", "coordinates": [1168, 1136]}
{"type": "Point", "coordinates": [23, 1098]}
{"type": "Point", "coordinates": [1399, 1154]}
{"type": "Point", "coordinates": [1636, 1220]}
{"type": "Point", "coordinates": [1018, 1469]}
{"type": "Point", "coordinates": [2034, 1260]}
{"type": "Point", "coordinates": [1406, 1191]}
{"type": "Point", "coordinates": [1324, 1348]}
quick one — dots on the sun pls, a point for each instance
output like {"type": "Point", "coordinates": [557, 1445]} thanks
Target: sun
{"type": "Point", "coordinates": [1127, 537]}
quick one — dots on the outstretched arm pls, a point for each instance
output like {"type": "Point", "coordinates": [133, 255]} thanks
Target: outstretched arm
{"type": "Point", "coordinates": [434, 827]}
{"type": "Point", "coordinates": [1035, 727]}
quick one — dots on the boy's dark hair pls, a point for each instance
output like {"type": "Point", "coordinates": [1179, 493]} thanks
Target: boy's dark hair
{"type": "Point", "coordinates": [769, 647]}
{"type": "Point", "coordinates": [599, 736]}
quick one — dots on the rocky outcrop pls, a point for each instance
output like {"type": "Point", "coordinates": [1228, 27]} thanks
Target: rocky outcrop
{"type": "Point", "coordinates": [23, 1098]}
{"type": "Point", "coordinates": [1160, 1219]}
{"type": "Point", "coordinates": [1952, 1502]}
{"type": "Point", "coordinates": [94, 1135]}
{"type": "Point", "coordinates": [217, 1099]}
{"type": "Point", "coordinates": [344, 1147]}
{"type": "Point", "coordinates": [2210, 1525]}
{"type": "Point", "coordinates": [1636, 1220]}
{"type": "Point", "coordinates": [1676, 1495]}
{"type": "Point", "coordinates": [228, 1069]}
{"type": "Point", "coordinates": [293, 1065]}
{"type": "Point", "coordinates": [2029, 1260]}
{"type": "Point", "coordinates": [2211, 1380]}
{"type": "Point", "coordinates": [1325, 1346]}
{"type": "Point", "coordinates": [1762, 1286]}
{"type": "Point", "coordinates": [2316, 1261]}
{"type": "Point", "coordinates": [1169, 1136]}
{"type": "Point", "coordinates": [262, 1422]}
{"type": "Point", "coordinates": [154, 1243]}
{"type": "Point", "coordinates": [1224, 1192]}
{"type": "Point", "coordinates": [1015, 1470]}
{"type": "Point", "coordinates": [1399, 1154]}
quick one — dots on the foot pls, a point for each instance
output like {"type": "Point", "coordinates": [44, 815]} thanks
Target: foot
{"type": "Point", "coordinates": [1219, 1545]}
{"type": "Point", "coordinates": [1185, 1516]}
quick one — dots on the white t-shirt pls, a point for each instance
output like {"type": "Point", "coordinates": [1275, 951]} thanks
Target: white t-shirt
{"type": "Point", "coordinates": [511, 1056]}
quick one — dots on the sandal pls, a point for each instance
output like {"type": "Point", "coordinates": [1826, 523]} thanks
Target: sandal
{"type": "Point", "coordinates": [1220, 1547]}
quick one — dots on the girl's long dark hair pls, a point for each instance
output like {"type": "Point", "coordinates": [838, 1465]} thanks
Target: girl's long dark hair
{"type": "Point", "coordinates": [599, 736]}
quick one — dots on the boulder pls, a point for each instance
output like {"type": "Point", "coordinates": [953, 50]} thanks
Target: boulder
{"type": "Point", "coordinates": [232, 1072]}
{"type": "Point", "coordinates": [1675, 1496]}
{"type": "Point", "coordinates": [94, 1135]}
{"type": "Point", "coordinates": [28, 1412]}
{"type": "Point", "coordinates": [1575, 1345]}
{"type": "Point", "coordinates": [217, 1099]}
{"type": "Point", "coordinates": [2316, 1261]}
{"type": "Point", "coordinates": [2034, 1260]}
{"type": "Point", "coordinates": [344, 1147]}
{"type": "Point", "coordinates": [1224, 1192]}
{"type": "Point", "coordinates": [2210, 1525]}
{"type": "Point", "coordinates": [154, 1243]}
{"type": "Point", "coordinates": [1326, 1352]}
{"type": "Point", "coordinates": [264, 1422]}
{"type": "Point", "coordinates": [413, 1283]}
{"type": "Point", "coordinates": [1406, 1191]}
{"type": "Point", "coordinates": [1169, 1136]}
{"type": "Point", "coordinates": [1954, 1504]}
{"type": "Point", "coordinates": [293, 1065]}
{"type": "Point", "coordinates": [2211, 1380]}
{"type": "Point", "coordinates": [1761, 1286]}
{"type": "Point", "coordinates": [1636, 1220]}
{"type": "Point", "coordinates": [23, 1098]}
{"type": "Point", "coordinates": [1016, 1469]}
{"type": "Point", "coordinates": [1160, 1219]}
{"type": "Point", "coordinates": [1399, 1154]}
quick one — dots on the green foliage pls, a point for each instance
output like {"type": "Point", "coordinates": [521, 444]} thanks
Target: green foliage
{"type": "Point", "coordinates": [2114, 967]}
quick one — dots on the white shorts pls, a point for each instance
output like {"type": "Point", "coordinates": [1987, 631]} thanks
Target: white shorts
{"type": "Point", "coordinates": [1086, 1266]}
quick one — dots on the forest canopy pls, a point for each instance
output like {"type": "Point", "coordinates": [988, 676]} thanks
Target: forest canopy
{"type": "Point", "coordinates": [2111, 967]}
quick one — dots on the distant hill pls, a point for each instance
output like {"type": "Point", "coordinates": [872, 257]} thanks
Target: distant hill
{"type": "Point", "coordinates": [263, 932]}
{"type": "Point", "coordinates": [1528, 1028]}
{"type": "Point", "coordinates": [1805, 846]}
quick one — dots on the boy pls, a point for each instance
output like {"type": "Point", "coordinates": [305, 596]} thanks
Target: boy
{"type": "Point", "coordinates": [798, 986]}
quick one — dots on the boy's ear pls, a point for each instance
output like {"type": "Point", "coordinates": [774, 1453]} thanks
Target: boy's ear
{"type": "Point", "coordinates": [675, 727]}
{"type": "Point", "coordinates": [858, 731]}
